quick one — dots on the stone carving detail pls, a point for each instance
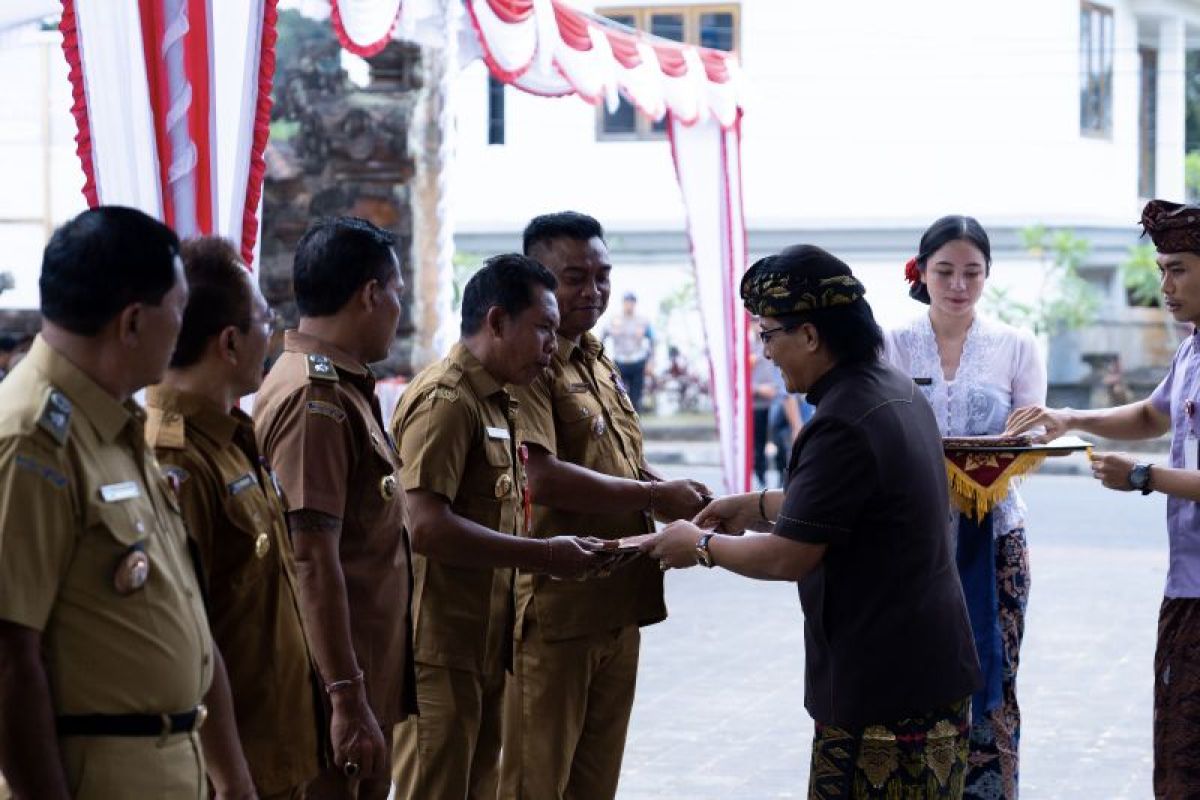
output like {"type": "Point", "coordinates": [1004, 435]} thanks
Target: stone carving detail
{"type": "Point", "coordinates": [337, 149]}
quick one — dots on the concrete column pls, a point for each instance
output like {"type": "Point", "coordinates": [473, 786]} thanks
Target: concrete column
{"type": "Point", "coordinates": [1171, 126]}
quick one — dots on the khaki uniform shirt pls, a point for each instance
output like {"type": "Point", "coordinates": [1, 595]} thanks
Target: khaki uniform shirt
{"type": "Point", "coordinates": [579, 412]}
{"type": "Point", "coordinates": [235, 516]}
{"type": "Point", "coordinates": [318, 423]}
{"type": "Point", "coordinates": [457, 435]}
{"type": "Point", "coordinates": [80, 496]}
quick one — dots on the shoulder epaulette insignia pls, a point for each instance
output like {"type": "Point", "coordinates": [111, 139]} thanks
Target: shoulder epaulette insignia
{"type": "Point", "coordinates": [55, 418]}
{"type": "Point", "coordinates": [165, 429]}
{"type": "Point", "coordinates": [320, 368]}
{"type": "Point", "coordinates": [443, 393]}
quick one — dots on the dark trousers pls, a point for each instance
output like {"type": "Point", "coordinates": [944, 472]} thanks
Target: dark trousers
{"type": "Point", "coordinates": [633, 375]}
{"type": "Point", "coordinates": [763, 434]}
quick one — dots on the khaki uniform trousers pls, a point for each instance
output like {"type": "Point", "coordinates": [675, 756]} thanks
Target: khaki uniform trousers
{"type": "Point", "coordinates": [134, 767]}
{"type": "Point", "coordinates": [566, 714]}
{"type": "Point", "coordinates": [452, 750]}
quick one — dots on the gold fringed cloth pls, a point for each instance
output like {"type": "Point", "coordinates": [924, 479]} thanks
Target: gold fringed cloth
{"type": "Point", "coordinates": [980, 480]}
{"type": "Point", "coordinates": [981, 469]}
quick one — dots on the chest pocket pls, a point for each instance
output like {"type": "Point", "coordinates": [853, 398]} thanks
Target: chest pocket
{"type": "Point", "coordinates": [377, 500]}
{"type": "Point", "coordinates": [116, 532]}
{"type": "Point", "coordinates": [249, 554]}
{"type": "Point", "coordinates": [490, 492]}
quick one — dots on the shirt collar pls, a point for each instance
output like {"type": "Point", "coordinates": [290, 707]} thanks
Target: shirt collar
{"type": "Point", "coordinates": [198, 411]}
{"type": "Point", "coordinates": [296, 342]}
{"type": "Point", "coordinates": [588, 347]}
{"type": "Point", "coordinates": [823, 384]}
{"type": "Point", "coordinates": [108, 415]}
{"type": "Point", "coordinates": [482, 381]}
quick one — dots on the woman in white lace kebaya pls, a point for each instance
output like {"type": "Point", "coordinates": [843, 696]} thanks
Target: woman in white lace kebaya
{"type": "Point", "coordinates": [974, 371]}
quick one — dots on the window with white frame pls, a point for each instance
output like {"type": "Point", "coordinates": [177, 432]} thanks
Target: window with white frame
{"type": "Point", "coordinates": [1095, 69]}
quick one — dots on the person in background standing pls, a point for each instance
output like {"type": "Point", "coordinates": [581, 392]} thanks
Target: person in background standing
{"type": "Point", "coordinates": [632, 345]}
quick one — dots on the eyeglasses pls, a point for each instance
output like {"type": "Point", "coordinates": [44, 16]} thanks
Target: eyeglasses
{"type": "Point", "coordinates": [765, 336]}
{"type": "Point", "coordinates": [266, 322]}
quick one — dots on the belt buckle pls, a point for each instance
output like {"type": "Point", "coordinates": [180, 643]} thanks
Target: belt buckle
{"type": "Point", "coordinates": [201, 716]}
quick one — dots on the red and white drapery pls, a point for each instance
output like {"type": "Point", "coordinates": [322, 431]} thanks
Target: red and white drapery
{"type": "Point", "coordinates": [172, 104]}
{"type": "Point", "coordinates": [172, 101]}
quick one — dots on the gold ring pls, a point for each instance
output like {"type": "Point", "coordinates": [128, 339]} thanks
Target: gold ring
{"type": "Point", "coordinates": [664, 566]}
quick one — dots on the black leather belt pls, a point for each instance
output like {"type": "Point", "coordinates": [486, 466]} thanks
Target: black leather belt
{"type": "Point", "coordinates": [131, 724]}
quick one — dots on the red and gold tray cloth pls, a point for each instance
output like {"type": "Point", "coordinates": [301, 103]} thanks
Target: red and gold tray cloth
{"type": "Point", "coordinates": [980, 469]}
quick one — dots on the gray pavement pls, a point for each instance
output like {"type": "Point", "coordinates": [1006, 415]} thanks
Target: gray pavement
{"type": "Point", "coordinates": [720, 715]}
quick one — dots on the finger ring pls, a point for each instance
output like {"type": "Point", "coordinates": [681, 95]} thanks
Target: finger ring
{"type": "Point", "coordinates": [662, 565]}
{"type": "Point", "coordinates": [350, 769]}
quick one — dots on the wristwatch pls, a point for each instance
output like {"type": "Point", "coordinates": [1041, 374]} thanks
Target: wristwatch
{"type": "Point", "coordinates": [1139, 477]}
{"type": "Point", "coordinates": [703, 555]}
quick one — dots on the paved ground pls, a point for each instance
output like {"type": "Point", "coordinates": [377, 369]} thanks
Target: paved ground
{"type": "Point", "coordinates": [719, 714]}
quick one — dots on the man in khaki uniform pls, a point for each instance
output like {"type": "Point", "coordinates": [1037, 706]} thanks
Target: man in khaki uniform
{"type": "Point", "coordinates": [235, 516]}
{"type": "Point", "coordinates": [318, 422]}
{"type": "Point", "coordinates": [105, 653]}
{"type": "Point", "coordinates": [465, 484]}
{"type": "Point", "coordinates": [567, 707]}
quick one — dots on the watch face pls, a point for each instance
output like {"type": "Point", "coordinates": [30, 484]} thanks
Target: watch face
{"type": "Point", "coordinates": [1138, 476]}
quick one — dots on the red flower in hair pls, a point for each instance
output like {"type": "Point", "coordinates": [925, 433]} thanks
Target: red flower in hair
{"type": "Point", "coordinates": [911, 273]}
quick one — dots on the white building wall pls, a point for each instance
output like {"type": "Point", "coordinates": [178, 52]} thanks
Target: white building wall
{"type": "Point", "coordinates": [873, 113]}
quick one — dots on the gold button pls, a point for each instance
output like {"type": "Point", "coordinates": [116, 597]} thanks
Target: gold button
{"type": "Point", "coordinates": [387, 487]}
{"type": "Point", "coordinates": [503, 485]}
{"type": "Point", "coordinates": [262, 545]}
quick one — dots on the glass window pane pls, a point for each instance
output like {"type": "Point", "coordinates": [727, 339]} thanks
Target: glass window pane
{"type": "Point", "coordinates": [624, 120]}
{"type": "Point", "coordinates": [716, 30]}
{"type": "Point", "coordinates": [668, 26]}
{"type": "Point", "coordinates": [623, 19]}
{"type": "Point", "coordinates": [495, 111]}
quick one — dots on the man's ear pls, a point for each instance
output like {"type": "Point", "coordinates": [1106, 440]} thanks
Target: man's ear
{"type": "Point", "coordinates": [495, 320]}
{"type": "Point", "coordinates": [129, 324]}
{"type": "Point", "coordinates": [812, 337]}
{"type": "Point", "coordinates": [368, 295]}
{"type": "Point", "coordinates": [227, 344]}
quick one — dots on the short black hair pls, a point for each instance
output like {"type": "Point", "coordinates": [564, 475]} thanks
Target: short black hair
{"type": "Point", "coordinates": [102, 261]}
{"type": "Point", "coordinates": [334, 259]}
{"type": "Point", "coordinates": [562, 225]}
{"type": "Point", "coordinates": [506, 281]}
{"type": "Point", "coordinates": [218, 296]}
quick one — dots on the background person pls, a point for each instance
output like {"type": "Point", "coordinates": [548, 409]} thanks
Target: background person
{"type": "Point", "coordinates": [861, 527]}
{"type": "Point", "coordinates": [631, 340]}
{"type": "Point", "coordinates": [974, 371]}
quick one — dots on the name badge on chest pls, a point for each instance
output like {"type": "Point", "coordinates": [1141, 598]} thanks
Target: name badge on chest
{"type": "Point", "coordinates": [497, 433]}
{"type": "Point", "coordinates": [116, 492]}
{"type": "Point", "coordinates": [241, 484]}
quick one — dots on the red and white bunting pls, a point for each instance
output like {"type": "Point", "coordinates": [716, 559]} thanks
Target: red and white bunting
{"type": "Point", "coordinates": [550, 48]}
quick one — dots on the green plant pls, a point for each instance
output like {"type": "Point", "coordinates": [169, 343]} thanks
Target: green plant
{"type": "Point", "coordinates": [1139, 273]}
{"type": "Point", "coordinates": [1064, 301]}
{"type": "Point", "coordinates": [1191, 174]}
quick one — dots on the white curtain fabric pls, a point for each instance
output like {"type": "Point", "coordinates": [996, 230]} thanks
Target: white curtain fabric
{"type": "Point", "coordinates": [124, 152]}
{"type": "Point", "coordinates": [707, 163]}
